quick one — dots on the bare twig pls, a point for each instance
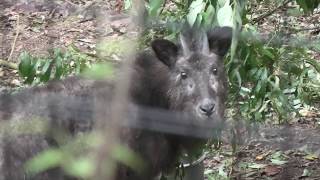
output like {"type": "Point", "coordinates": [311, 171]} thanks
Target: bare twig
{"type": "Point", "coordinates": [163, 6]}
{"type": "Point", "coordinates": [260, 18]}
{"type": "Point", "coordinates": [119, 5]}
{"type": "Point", "coordinates": [71, 3]}
{"type": "Point", "coordinates": [307, 29]}
{"type": "Point", "coordinates": [104, 154]}
{"type": "Point", "coordinates": [177, 3]}
{"type": "Point", "coordinates": [15, 38]}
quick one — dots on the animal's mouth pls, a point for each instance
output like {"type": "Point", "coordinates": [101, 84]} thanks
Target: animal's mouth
{"type": "Point", "coordinates": [213, 119]}
{"type": "Point", "coordinates": [200, 119]}
{"type": "Point", "coordinates": [205, 115]}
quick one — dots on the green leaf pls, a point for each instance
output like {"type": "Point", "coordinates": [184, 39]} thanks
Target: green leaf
{"type": "Point", "coordinates": [209, 16]}
{"type": "Point", "coordinates": [244, 91]}
{"type": "Point", "coordinates": [238, 76]}
{"type": "Point", "coordinates": [294, 12]}
{"type": "Point", "coordinates": [262, 82]}
{"type": "Point", "coordinates": [46, 66]}
{"type": "Point", "coordinates": [257, 116]}
{"type": "Point", "coordinates": [258, 87]}
{"type": "Point", "coordinates": [128, 157]}
{"type": "Point", "coordinates": [30, 78]}
{"type": "Point", "coordinates": [308, 5]}
{"type": "Point", "coordinates": [78, 66]}
{"type": "Point", "coordinates": [83, 167]}
{"type": "Point", "coordinates": [43, 161]}
{"type": "Point", "coordinates": [315, 64]}
{"type": "Point", "coordinates": [221, 171]}
{"type": "Point", "coordinates": [154, 7]}
{"type": "Point", "coordinates": [100, 71]}
{"type": "Point", "coordinates": [46, 71]}
{"type": "Point", "coordinates": [198, 21]}
{"type": "Point", "coordinates": [59, 67]}
{"type": "Point", "coordinates": [306, 173]}
{"type": "Point", "coordinates": [32, 75]}
{"type": "Point", "coordinates": [127, 4]}
{"type": "Point", "coordinates": [57, 52]}
{"type": "Point", "coordinates": [221, 3]}
{"type": "Point", "coordinates": [25, 65]}
{"type": "Point", "coordinates": [224, 15]}
{"type": "Point", "coordinates": [195, 8]}
{"type": "Point", "coordinates": [268, 53]}
{"type": "Point", "coordinates": [293, 68]}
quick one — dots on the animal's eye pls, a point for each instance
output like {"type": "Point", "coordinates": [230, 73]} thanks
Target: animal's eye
{"type": "Point", "coordinates": [183, 75]}
{"type": "Point", "coordinates": [214, 71]}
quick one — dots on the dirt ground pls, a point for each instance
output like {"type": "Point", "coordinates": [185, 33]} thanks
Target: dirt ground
{"type": "Point", "coordinates": [286, 152]}
{"type": "Point", "coordinates": [37, 27]}
{"type": "Point", "coordinates": [273, 152]}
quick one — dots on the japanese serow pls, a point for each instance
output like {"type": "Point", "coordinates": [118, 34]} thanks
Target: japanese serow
{"type": "Point", "coordinates": [186, 77]}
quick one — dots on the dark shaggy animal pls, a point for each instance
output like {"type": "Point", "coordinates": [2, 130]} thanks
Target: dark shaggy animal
{"type": "Point", "coordinates": [186, 77]}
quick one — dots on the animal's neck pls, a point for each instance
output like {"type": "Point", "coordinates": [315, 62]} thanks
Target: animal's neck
{"type": "Point", "coordinates": [149, 82]}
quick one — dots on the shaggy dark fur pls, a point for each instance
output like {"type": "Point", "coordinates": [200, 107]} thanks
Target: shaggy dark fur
{"type": "Point", "coordinates": [186, 77]}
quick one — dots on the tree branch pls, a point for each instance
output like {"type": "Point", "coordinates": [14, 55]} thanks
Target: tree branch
{"type": "Point", "coordinates": [8, 64]}
{"type": "Point", "coordinates": [260, 18]}
{"type": "Point", "coordinates": [15, 38]}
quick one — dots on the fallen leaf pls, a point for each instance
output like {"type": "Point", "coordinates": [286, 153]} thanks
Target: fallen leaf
{"type": "Point", "coordinates": [257, 166]}
{"type": "Point", "coordinates": [311, 157]}
{"type": "Point", "coordinates": [85, 40]}
{"type": "Point", "coordinates": [208, 171]}
{"type": "Point", "coordinates": [271, 170]}
{"type": "Point", "coordinates": [262, 156]}
{"type": "Point", "coordinates": [306, 173]}
{"type": "Point", "coordinates": [15, 82]}
{"type": "Point", "coordinates": [277, 155]}
{"type": "Point", "coordinates": [307, 113]}
{"type": "Point", "coordinates": [252, 173]}
{"type": "Point", "coordinates": [278, 162]}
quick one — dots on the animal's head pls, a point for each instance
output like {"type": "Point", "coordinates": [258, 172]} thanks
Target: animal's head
{"type": "Point", "coordinates": [198, 83]}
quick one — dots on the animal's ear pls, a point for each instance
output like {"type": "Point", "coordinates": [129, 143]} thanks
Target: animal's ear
{"type": "Point", "coordinates": [166, 51]}
{"type": "Point", "coordinates": [220, 40]}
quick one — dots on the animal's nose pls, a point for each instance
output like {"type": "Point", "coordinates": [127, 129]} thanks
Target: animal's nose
{"type": "Point", "coordinates": [207, 107]}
